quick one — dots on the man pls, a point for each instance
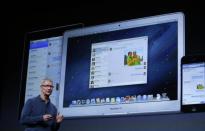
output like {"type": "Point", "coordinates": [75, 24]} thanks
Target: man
{"type": "Point", "coordinates": [39, 114]}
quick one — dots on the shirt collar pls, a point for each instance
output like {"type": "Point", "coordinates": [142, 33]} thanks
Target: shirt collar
{"type": "Point", "coordinates": [39, 97]}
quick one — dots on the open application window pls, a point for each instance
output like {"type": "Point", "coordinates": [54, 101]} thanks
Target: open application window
{"type": "Point", "coordinates": [113, 59]}
{"type": "Point", "coordinates": [194, 81]}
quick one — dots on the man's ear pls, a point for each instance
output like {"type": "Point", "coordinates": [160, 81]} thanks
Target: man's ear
{"type": "Point", "coordinates": [41, 87]}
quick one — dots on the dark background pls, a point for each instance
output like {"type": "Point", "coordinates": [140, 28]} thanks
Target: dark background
{"type": "Point", "coordinates": [19, 18]}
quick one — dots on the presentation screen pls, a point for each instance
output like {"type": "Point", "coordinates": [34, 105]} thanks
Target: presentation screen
{"type": "Point", "coordinates": [123, 68]}
{"type": "Point", "coordinates": [42, 58]}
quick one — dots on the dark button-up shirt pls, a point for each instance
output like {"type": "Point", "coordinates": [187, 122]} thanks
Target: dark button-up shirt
{"type": "Point", "coordinates": [32, 115]}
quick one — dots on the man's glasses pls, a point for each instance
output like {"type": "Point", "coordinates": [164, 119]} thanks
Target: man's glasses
{"type": "Point", "coordinates": [51, 86]}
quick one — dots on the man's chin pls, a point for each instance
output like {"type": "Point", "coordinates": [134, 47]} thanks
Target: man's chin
{"type": "Point", "coordinates": [48, 94]}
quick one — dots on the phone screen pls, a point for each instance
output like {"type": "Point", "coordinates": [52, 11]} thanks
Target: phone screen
{"type": "Point", "coordinates": [193, 83]}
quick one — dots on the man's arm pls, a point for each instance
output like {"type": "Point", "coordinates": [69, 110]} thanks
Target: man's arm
{"type": "Point", "coordinates": [26, 118]}
{"type": "Point", "coordinates": [59, 119]}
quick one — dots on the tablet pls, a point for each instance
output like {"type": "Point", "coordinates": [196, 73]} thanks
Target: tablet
{"type": "Point", "coordinates": [193, 83]}
{"type": "Point", "coordinates": [42, 59]}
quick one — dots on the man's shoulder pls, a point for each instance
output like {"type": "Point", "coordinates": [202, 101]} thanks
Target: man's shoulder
{"type": "Point", "coordinates": [33, 99]}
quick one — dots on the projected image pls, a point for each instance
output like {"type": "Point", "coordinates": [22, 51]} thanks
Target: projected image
{"type": "Point", "coordinates": [112, 59]}
{"type": "Point", "coordinates": [44, 61]}
{"type": "Point", "coordinates": [123, 68]}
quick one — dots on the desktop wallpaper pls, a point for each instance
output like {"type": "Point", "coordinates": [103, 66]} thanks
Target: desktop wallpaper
{"type": "Point", "coordinates": [161, 67]}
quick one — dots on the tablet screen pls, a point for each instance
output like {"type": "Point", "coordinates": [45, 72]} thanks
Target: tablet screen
{"type": "Point", "coordinates": [44, 60]}
{"type": "Point", "coordinates": [193, 83]}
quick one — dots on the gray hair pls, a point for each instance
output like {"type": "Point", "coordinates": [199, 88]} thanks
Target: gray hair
{"type": "Point", "coordinates": [46, 79]}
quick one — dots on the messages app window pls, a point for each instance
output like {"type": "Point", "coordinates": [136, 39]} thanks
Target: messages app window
{"type": "Point", "coordinates": [120, 62]}
{"type": "Point", "coordinates": [194, 83]}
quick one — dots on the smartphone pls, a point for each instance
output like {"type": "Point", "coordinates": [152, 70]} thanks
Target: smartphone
{"type": "Point", "coordinates": [193, 83]}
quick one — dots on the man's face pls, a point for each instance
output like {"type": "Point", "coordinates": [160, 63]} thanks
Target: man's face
{"type": "Point", "coordinates": [47, 87]}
